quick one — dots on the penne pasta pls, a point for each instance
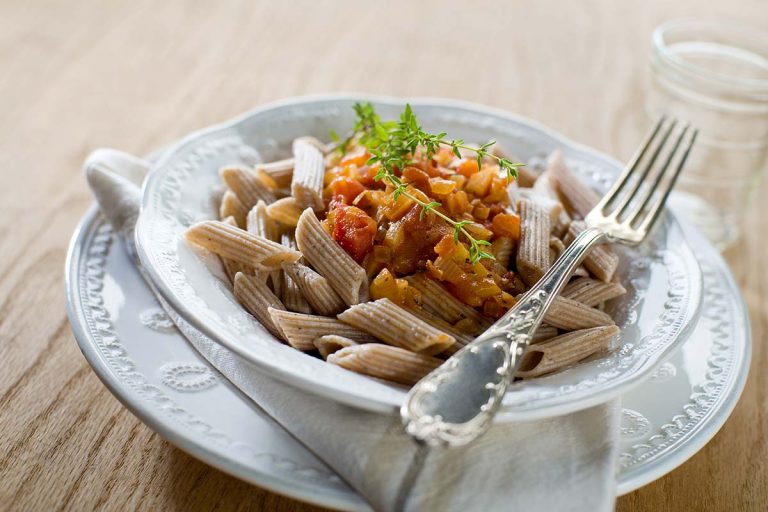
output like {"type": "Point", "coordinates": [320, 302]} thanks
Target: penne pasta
{"type": "Point", "coordinates": [246, 186]}
{"type": "Point", "coordinates": [315, 289]}
{"type": "Point", "coordinates": [580, 271]}
{"type": "Point", "coordinates": [556, 248]}
{"type": "Point", "coordinates": [533, 249]}
{"type": "Point", "coordinates": [285, 211]}
{"type": "Point", "coordinates": [331, 343]}
{"type": "Point", "coordinates": [462, 338]}
{"type": "Point", "coordinates": [252, 292]}
{"type": "Point", "coordinates": [526, 177]}
{"type": "Point", "coordinates": [300, 330]}
{"type": "Point", "coordinates": [544, 186]}
{"type": "Point", "coordinates": [239, 245]}
{"type": "Point", "coordinates": [308, 175]}
{"type": "Point", "coordinates": [396, 326]}
{"type": "Point", "coordinates": [278, 174]}
{"type": "Point", "coordinates": [293, 298]}
{"type": "Point", "coordinates": [569, 315]}
{"type": "Point", "coordinates": [232, 206]}
{"type": "Point", "coordinates": [592, 292]}
{"type": "Point", "coordinates": [543, 333]}
{"type": "Point", "coordinates": [346, 277]}
{"type": "Point", "coordinates": [601, 260]}
{"type": "Point", "coordinates": [440, 302]}
{"type": "Point", "coordinates": [565, 350]}
{"type": "Point", "coordinates": [560, 227]}
{"type": "Point", "coordinates": [385, 362]}
{"type": "Point", "coordinates": [553, 207]}
{"type": "Point", "coordinates": [260, 224]}
{"type": "Point", "coordinates": [502, 249]}
{"type": "Point", "coordinates": [232, 267]}
{"type": "Point", "coordinates": [578, 198]}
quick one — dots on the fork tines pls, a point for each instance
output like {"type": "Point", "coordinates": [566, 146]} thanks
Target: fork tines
{"type": "Point", "coordinates": [636, 199]}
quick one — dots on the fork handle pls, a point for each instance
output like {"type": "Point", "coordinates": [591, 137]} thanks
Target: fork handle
{"type": "Point", "coordinates": [456, 403]}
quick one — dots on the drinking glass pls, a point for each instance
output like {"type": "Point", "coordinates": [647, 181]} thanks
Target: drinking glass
{"type": "Point", "coordinates": [715, 76]}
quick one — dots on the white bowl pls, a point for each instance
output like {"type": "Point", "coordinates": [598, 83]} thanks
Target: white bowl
{"type": "Point", "coordinates": [662, 276]}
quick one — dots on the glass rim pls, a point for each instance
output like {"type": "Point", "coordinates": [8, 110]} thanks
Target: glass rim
{"type": "Point", "coordinates": [730, 30]}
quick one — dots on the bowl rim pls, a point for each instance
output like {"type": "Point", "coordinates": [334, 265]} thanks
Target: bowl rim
{"type": "Point", "coordinates": [334, 392]}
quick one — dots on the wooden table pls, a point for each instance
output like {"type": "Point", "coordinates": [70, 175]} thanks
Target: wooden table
{"type": "Point", "coordinates": [137, 75]}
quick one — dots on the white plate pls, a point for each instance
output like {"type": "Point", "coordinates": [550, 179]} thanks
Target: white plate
{"type": "Point", "coordinates": [662, 276]}
{"type": "Point", "coordinates": [152, 370]}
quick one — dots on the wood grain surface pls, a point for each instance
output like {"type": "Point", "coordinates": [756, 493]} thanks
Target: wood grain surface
{"type": "Point", "coordinates": [137, 75]}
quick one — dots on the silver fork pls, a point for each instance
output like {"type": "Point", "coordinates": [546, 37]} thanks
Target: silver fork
{"type": "Point", "coordinates": [456, 403]}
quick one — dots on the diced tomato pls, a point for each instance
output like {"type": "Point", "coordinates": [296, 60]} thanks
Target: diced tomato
{"type": "Point", "coordinates": [358, 159]}
{"type": "Point", "coordinates": [367, 174]}
{"type": "Point", "coordinates": [417, 178]}
{"type": "Point", "coordinates": [444, 156]}
{"type": "Point", "coordinates": [468, 167]}
{"type": "Point", "coordinates": [506, 224]}
{"type": "Point", "coordinates": [348, 188]}
{"type": "Point", "coordinates": [354, 231]}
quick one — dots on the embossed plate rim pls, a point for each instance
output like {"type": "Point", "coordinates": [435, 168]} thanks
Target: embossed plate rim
{"type": "Point", "coordinates": [160, 256]}
{"type": "Point", "coordinates": [190, 441]}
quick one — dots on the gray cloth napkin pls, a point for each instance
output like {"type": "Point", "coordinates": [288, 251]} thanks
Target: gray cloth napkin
{"type": "Point", "coordinates": [566, 463]}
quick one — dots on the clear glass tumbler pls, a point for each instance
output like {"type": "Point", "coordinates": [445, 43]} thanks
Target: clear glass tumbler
{"type": "Point", "coordinates": [714, 75]}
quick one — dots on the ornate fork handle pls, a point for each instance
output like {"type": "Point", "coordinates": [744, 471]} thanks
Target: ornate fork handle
{"type": "Point", "coordinates": [457, 402]}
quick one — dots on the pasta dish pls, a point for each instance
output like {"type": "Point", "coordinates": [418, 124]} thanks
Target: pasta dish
{"type": "Point", "coordinates": [387, 251]}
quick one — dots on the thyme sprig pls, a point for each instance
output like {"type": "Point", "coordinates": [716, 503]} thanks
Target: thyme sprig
{"type": "Point", "coordinates": [393, 144]}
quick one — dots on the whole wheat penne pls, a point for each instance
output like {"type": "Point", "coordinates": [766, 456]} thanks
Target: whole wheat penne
{"type": "Point", "coordinates": [301, 330]}
{"type": "Point", "coordinates": [293, 298]}
{"type": "Point", "coordinates": [543, 333]}
{"type": "Point", "coordinates": [246, 186]}
{"type": "Point", "coordinates": [239, 245]}
{"type": "Point", "coordinates": [396, 326]}
{"type": "Point", "coordinates": [440, 302]}
{"type": "Point", "coordinates": [285, 211]}
{"type": "Point", "coordinates": [545, 186]}
{"type": "Point", "coordinates": [560, 226]}
{"type": "Point", "coordinates": [569, 315]}
{"type": "Point", "coordinates": [385, 362]}
{"type": "Point", "coordinates": [260, 224]}
{"type": "Point", "coordinates": [462, 338]}
{"type": "Point", "coordinates": [232, 267]}
{"type": "Point", "coordinates": [346, 277]}
{"type": "Point", "coordinates": [592, 292]}
{"type": "Point", "coordinates": [556, 248]}
{"type": "Point", "coordinates": [308, 174]}
{"type": "Point", "coordinates": [553, 207]}
{"type": "Point", "coordinates": [580, 271]}
{"type": "Point", "coordinates": [315, 289]}
{"type": "Point", "coordinates": [232, 206]}
{"type": "Point", "coordinates": [601, 260]}
{"type": "Point", "coordinates": [533, 249]}
{"type": "Point", "coordinates": [565, 350]}
{"type": "Point", "coordinates": [315, 142]}
{"type": "Point", "coordinates": [331, 343]}
{"type": "Point", "coordinates": [526, 176]}
{"type": "Point", "coordinates": [252, 292]}
{"type": "Point", "coordinates": [276, 174]}
{"type": "Point", "coordinates": [578, 198]}
{"type": "Point", "coordinates": [502, 249]}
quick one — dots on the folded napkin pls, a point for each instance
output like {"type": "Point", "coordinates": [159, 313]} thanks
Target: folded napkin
{"type": "Point", "coordinates": [566, 463]}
